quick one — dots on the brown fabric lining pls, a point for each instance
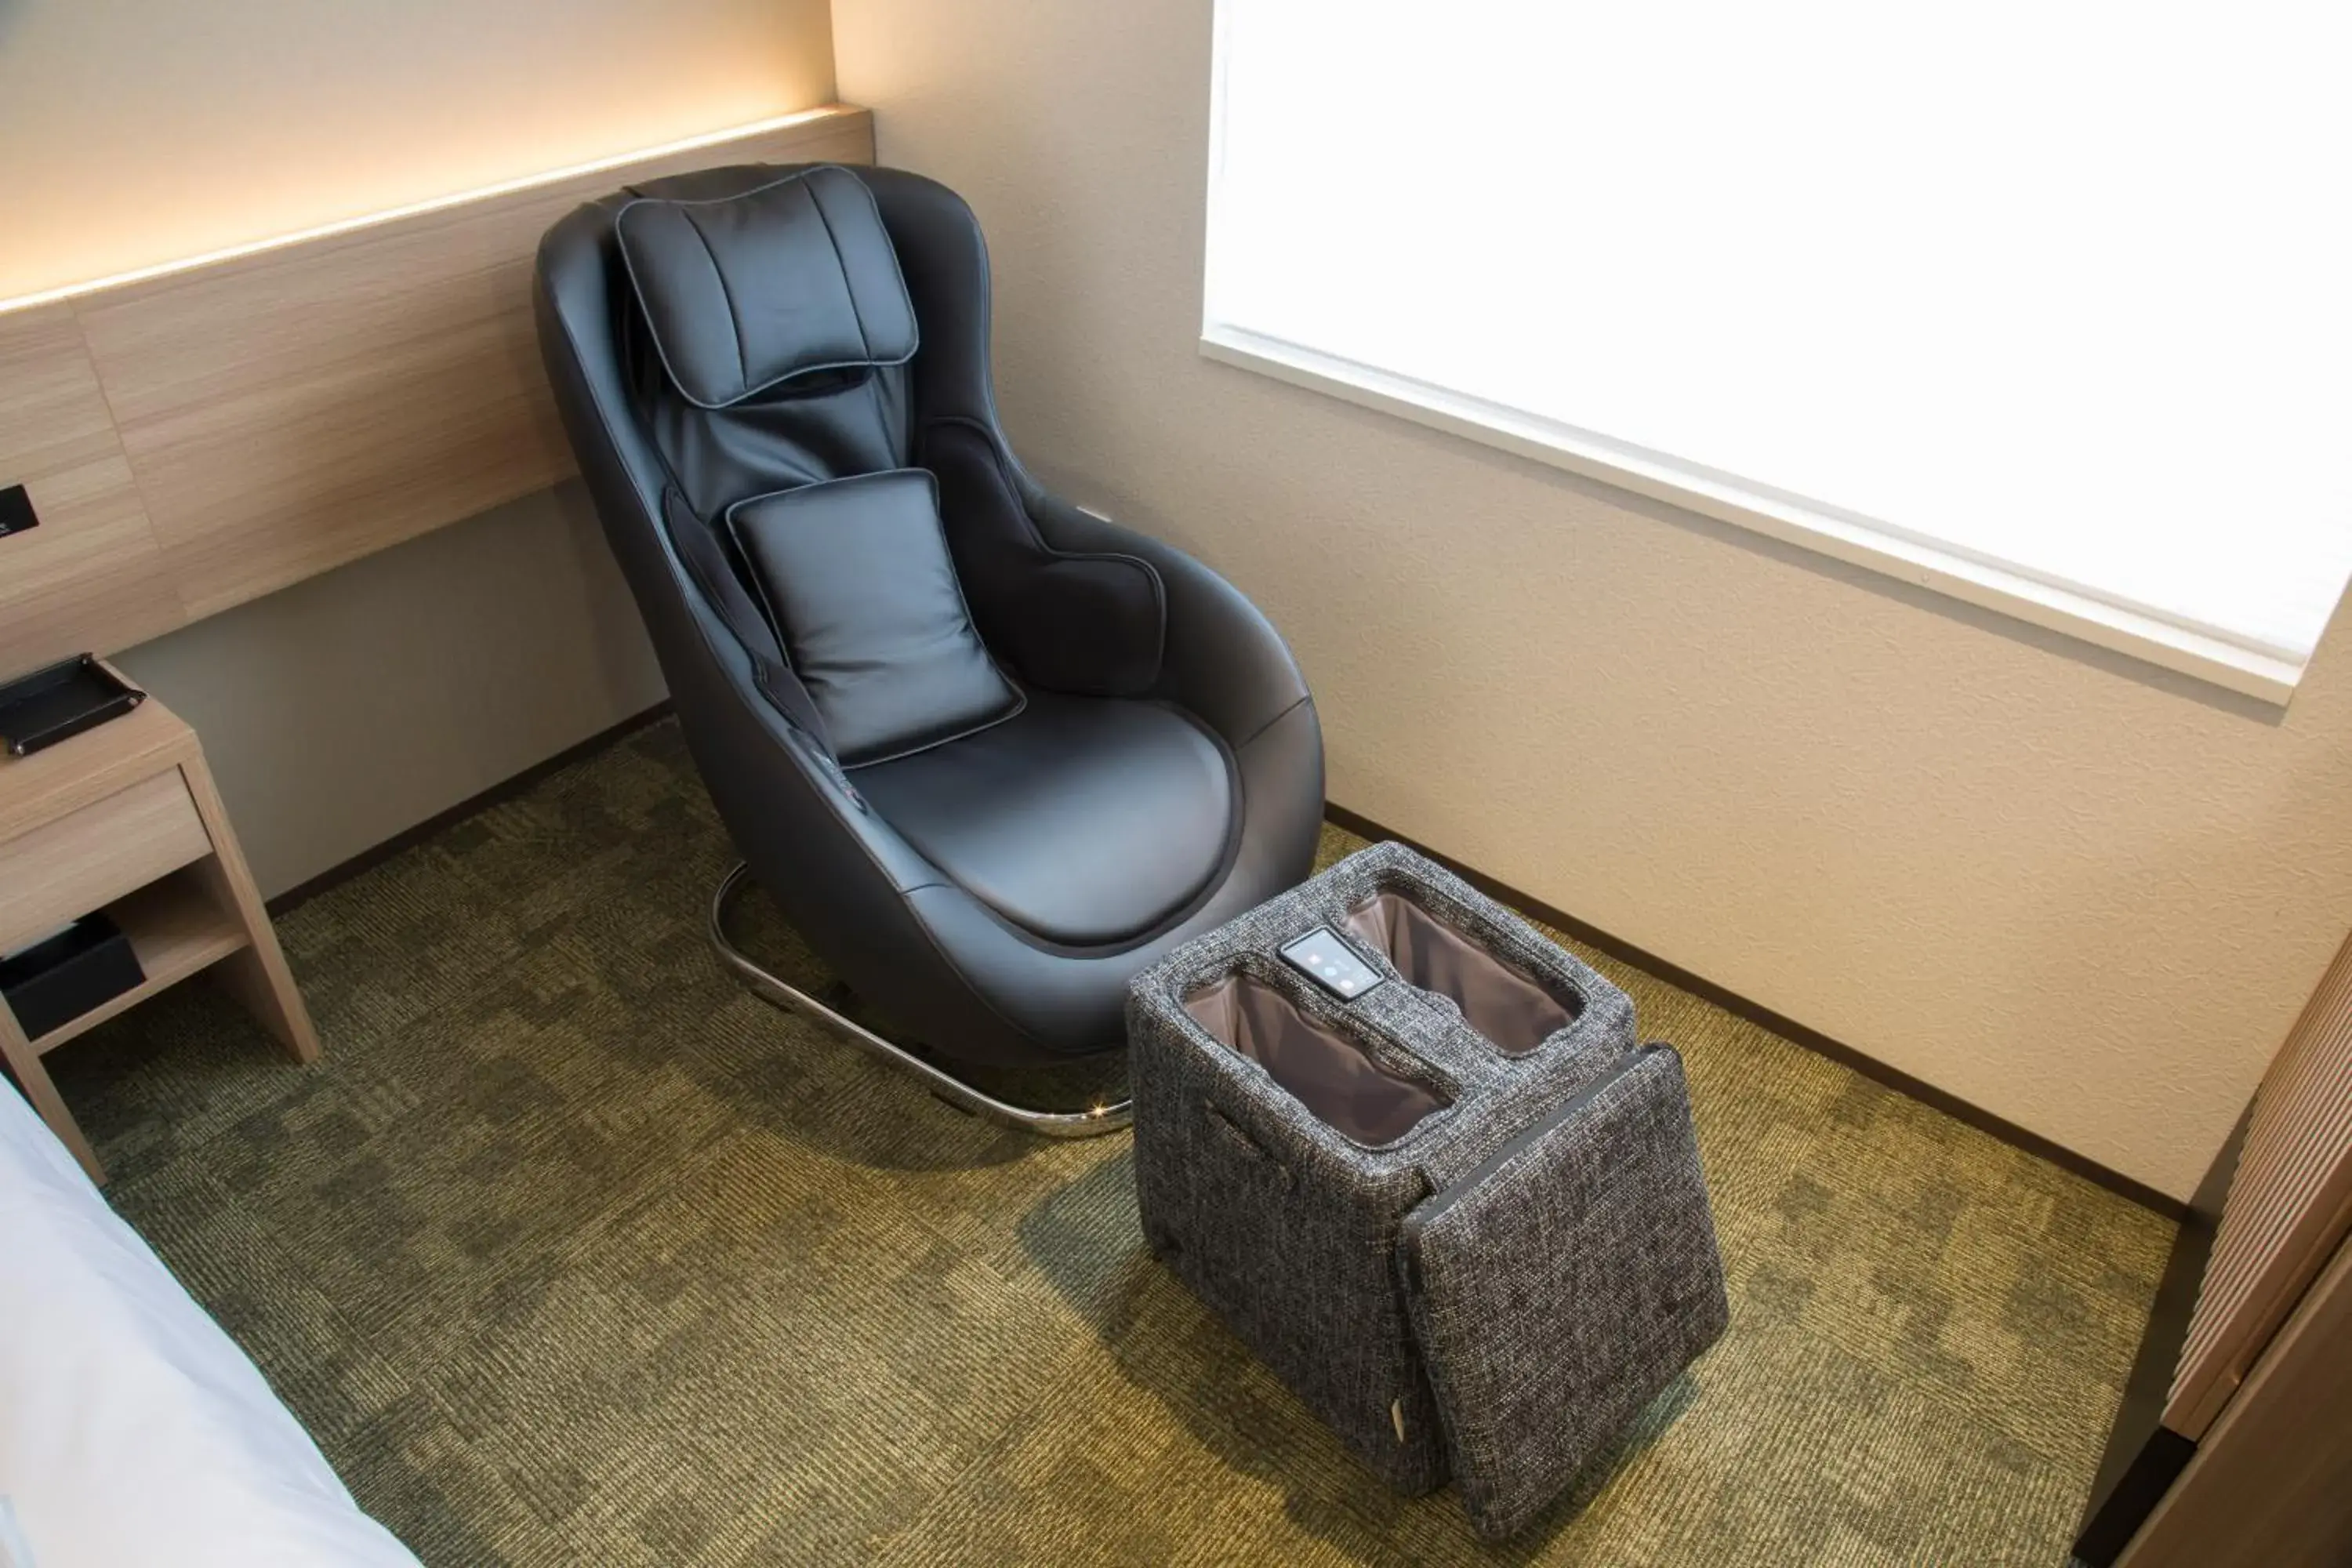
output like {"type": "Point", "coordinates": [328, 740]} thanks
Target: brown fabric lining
{"type": "Point", "coordinates": [1513, 1012]}
{"type": "Point", "coordinates": [1330, 1073]}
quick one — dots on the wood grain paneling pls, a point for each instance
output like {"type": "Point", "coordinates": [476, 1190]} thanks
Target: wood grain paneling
{"type": "Point", "coordinates": [211, 435]}
{"type": "Point", "coordinates": [100, 763]}
{"type": "Point", "coordinates": [63, 869]}
{"type": "Point", "coordinates": [2268, 1485]}
{"type": "Point", "coordinates": [93, 562]}
{"type": "Point", "coordinates": [2289, 1207]}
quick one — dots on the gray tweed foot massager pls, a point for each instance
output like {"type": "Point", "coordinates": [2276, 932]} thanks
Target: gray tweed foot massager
{"type": "Point", "coordinates": [1411, 1152]}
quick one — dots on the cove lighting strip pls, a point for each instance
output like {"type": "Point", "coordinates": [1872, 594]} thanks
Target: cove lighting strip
{"type": "Point", "coordinates": [414, 209]}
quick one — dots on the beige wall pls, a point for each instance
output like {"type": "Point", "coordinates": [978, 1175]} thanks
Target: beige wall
{"type": "Point", "coordinates": [2083, 895]}
{"type": "Point", "coordinates": [352, 706]}
{"type": "Point", "coordinates": [133, 131]}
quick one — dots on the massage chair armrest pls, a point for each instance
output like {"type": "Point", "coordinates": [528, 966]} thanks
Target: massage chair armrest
{"type": "Point", "coordinates": [1075, 603]}
{"type": "Point", "coordinates": [1091, 623]}
{"type": "Point", "coordinates": [1082, 621]}
{"type": "Point", "coordinates": [1223, 660]}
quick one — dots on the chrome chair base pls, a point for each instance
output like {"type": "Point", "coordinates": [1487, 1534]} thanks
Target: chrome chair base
{"type": "Point", "coordinates": [1090, 1124]}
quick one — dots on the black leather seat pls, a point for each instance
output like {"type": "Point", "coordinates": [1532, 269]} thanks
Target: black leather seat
{"type": "Point", "coordinates": [1008, 812]}
{"type": "Point", "coordinates": [991, 754]}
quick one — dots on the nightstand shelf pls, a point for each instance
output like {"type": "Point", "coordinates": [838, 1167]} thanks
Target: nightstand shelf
{"type": "Point", "coordinates": [175, 929]}
{"type": "Point", "coordinates": [125, 818]}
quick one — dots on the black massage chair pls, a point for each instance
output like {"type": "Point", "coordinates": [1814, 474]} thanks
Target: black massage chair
{"type": "Point", "coordinates": [990, 753]}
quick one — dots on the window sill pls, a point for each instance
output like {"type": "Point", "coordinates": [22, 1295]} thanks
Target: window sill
{"type": "Point", "coordinates": [2207, 655]}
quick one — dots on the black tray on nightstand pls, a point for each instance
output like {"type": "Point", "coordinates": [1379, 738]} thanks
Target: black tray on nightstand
{"type": "Point", "coordinates": [45, 706]}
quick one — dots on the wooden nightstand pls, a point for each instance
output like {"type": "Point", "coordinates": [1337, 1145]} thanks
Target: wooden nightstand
{"type": "Point", "coordinates": [125, 818]}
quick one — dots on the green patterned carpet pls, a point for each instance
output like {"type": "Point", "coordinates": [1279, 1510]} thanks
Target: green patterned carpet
{"type": "Point", "coordinates": [572, 1253]}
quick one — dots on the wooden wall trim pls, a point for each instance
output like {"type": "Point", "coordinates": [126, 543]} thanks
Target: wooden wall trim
{"type": "Point", "coordinates": [2268, 1484]}
{"type": "Point", "coordinates": [92, 568]}
{"type": "Point", "coordinates": [196, 438]}
{"type": "Point", "coordinates": [2143, 1456]}
{"type": "Point", "coordinates": [2289, 1209]}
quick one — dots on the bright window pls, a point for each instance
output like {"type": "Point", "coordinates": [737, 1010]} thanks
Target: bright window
{"type": "Point", "coordinates": [2048, 305]}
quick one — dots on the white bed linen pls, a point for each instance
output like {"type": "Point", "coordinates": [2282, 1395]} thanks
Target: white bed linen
{"type": "Point", "coordinates": [132, 1430]}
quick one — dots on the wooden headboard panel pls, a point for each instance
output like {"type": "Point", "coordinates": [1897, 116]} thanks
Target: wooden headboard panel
{"type": "Point", "coordinates": [203, 437]}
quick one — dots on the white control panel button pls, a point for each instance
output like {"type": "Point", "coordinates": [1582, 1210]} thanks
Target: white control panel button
{"type": "Point", "coordinates": [1330, 962]}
